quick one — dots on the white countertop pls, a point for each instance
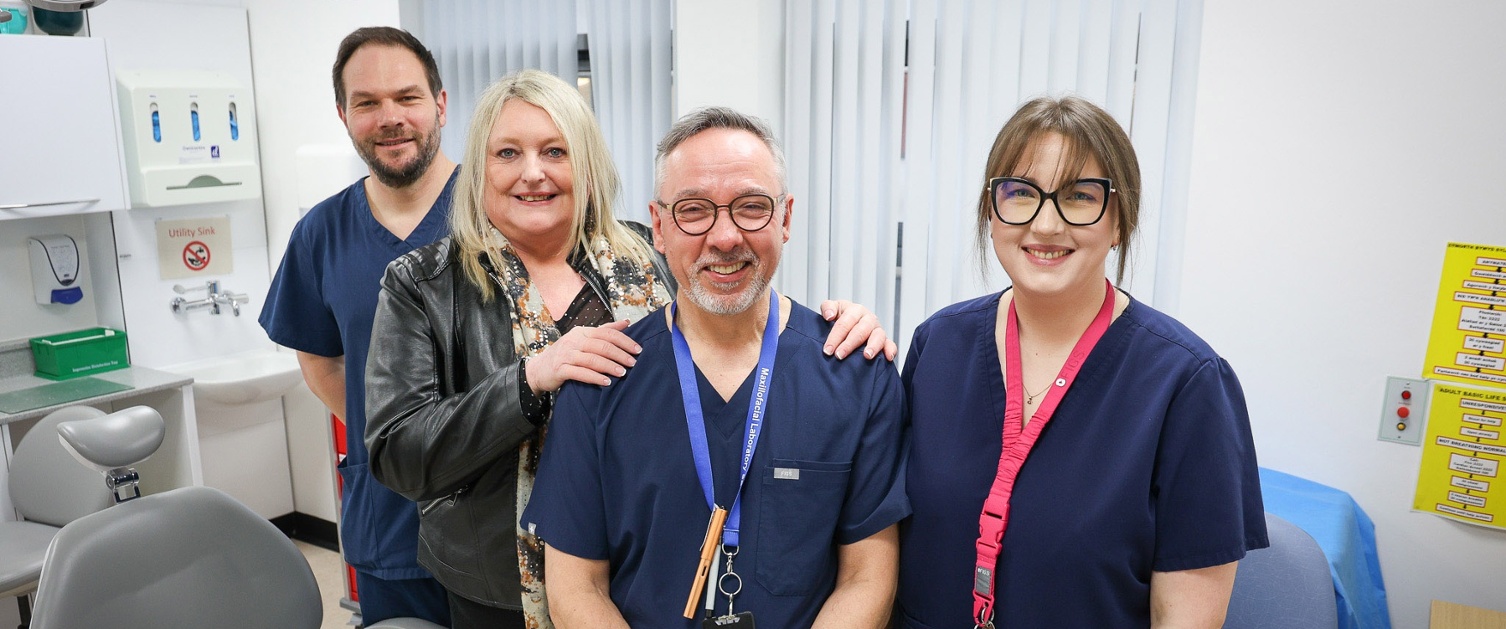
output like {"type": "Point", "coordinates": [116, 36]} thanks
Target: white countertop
{"type": "Point", "coordinates": [140, 379]}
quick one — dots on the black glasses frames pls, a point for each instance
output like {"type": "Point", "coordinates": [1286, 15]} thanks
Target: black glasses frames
{"type": "Point", "coordinates": [1018, 201]}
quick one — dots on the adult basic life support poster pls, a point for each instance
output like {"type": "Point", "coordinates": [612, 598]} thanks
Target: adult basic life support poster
{"type": "Point", "coordinates": [1464, 456]}
{"type": "Point", "coordinates": [1463, 453]}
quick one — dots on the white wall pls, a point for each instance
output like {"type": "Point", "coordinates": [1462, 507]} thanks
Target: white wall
{"type": "Point", "coordinates": [293, 44]}
{"type": "Point", "coordinates": [141, 35]}
{"type": "Point", "coordinates": [1338, 147]}
{"type": "Point", "coordinates": [212, 36]}
{"type": "Point", "coordinates": [730, 53]}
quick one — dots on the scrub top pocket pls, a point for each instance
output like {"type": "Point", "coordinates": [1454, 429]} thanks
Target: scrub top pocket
{"type": "Point", "coordinates": [375, 540]}
{"type": "Point", "coordinates": [797, 522]}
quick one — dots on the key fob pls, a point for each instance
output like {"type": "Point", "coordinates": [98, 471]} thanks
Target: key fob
{"type": "Point", "coordinates": [736, 621]}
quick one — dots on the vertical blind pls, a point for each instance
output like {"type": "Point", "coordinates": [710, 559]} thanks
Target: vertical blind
{"type": "Point", "coordinates": [476, 42]}
{"type": "Point", "coordinates": [843, 112]}
{"type": "Point", "coordinates": [893, 105]}
{"type": "Point", "coordinates": [630, 72]}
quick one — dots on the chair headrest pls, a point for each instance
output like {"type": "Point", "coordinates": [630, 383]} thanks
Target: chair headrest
{"type": "Point", "coordinates": [120, 439]}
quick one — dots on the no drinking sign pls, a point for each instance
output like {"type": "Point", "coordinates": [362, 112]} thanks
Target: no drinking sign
{"type": "Point", "coordinates": [194, 247]}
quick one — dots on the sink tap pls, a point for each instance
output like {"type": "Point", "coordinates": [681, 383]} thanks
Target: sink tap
{"type": "Point", "coordinates": [181, 304]}
{"type": "Point", "coordinates": [214, 299]}
{"type": "Point", "coordinates": [228, 298]}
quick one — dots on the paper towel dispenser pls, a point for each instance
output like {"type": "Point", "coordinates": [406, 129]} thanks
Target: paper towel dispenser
{"type": "Point", "coordinates": [189, 136]}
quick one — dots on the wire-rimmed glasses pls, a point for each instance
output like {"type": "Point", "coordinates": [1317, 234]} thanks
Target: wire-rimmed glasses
{"type": "Point", "coordinates": [696, 216]}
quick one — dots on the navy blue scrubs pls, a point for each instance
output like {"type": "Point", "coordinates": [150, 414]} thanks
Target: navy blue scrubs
{"type": "Point", "coordinates": [1147, 465]}
{"type": "Point", "coordinates": [322, 301]}
{"type": "Point", "coordinates": [616, 480]}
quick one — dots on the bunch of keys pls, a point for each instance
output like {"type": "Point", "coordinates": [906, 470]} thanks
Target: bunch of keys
{"type": "Point", "coordinates": [730, 584]}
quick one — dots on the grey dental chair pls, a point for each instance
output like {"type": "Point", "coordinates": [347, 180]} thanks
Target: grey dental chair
{"type": "Point", "coordinates": [49, 490]}
{"type": "Point", "coordinates": [1286, 586]}
{"type": "Point", "coordinates": [189, 557]}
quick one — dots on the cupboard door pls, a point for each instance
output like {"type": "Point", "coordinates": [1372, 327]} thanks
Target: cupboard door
{"type": "Point", "coordinates": [60, 148]}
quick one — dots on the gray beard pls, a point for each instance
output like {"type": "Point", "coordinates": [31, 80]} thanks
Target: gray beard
{"type": "Point", "coordinates": [728, 305]}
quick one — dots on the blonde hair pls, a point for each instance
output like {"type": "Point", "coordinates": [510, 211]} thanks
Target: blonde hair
{"type": "Point", "coordinates": [1089, 131]}
{"type": "Point", "coordinates": [595, 180]}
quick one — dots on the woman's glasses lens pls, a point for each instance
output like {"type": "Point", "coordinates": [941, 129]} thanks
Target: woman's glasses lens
{"type": "Point", "coordinates": [1082, 202]}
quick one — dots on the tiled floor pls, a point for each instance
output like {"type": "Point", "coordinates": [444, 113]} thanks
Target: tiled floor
{"type": "Point", "coordinates": [329, 572]}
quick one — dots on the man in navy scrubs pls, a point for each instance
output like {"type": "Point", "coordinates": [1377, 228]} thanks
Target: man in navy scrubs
{"type": "Point", "coordinates": [324, 296]}
{"type": "Point", "coordinates": [736, 473]}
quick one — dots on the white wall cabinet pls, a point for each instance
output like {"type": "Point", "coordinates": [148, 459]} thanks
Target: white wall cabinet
{"type": "Point", "coordinates": [60, 149]}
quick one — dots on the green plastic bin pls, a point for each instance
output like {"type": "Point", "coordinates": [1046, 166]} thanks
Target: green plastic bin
{"type": "Point", "coordinates": [80, 353]}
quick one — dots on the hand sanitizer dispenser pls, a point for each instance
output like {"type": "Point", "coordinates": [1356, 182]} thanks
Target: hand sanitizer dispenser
{"type": "Point", "coordinates": [189, 136]}
{"type": "Point", "coordinates": [54, 269]}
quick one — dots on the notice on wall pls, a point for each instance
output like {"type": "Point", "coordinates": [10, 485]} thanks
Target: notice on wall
{"type": "Point", "coordinates": [1464, 457]}
{"type": "Point", "coordinates": [1468, 341]}
{"type": "Point", "coordinates": [194, 247]}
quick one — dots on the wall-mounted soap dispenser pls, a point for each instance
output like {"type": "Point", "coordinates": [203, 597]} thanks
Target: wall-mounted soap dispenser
{"type": "Point", "coordinates": [189, 137]}
{"type": "Point", "coordinates": [55, 269]}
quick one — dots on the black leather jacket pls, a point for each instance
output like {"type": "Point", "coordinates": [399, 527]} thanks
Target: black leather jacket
{"type": "Point", "coordinates": [444, 418]}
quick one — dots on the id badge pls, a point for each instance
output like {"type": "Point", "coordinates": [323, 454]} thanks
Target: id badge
{"type": "Point", "coordinates": [736, 621]}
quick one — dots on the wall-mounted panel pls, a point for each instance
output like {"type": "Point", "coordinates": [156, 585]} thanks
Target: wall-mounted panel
{"type": "Point", "coordinates": [61, 150]}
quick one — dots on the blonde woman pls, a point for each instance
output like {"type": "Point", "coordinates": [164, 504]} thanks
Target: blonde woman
{"type": "Point", "coordinates": [474, 333]}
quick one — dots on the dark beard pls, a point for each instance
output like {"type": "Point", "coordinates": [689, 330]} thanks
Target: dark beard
{"type": "Point", "coordinates": [406, 175]}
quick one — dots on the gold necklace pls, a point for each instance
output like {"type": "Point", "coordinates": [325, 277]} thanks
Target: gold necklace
{"type": "Point", "coordinates": [1030, 397]}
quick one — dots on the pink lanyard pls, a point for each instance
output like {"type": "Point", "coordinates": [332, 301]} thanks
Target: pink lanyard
{"type": "Point", "coordinates": [1018, 441]}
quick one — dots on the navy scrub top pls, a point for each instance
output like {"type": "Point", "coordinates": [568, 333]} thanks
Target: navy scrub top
{"type": "Point", "coordinates": [1147, 465]}
{"type": "Point", "coordinates": [616, 479]}
{"type": "Point", "coordinates": [322, 301]}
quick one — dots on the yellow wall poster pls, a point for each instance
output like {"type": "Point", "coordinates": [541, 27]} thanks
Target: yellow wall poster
{"type": "Point", "coordinates": [1468, 341]}
{"type": "Point", "coordinates": [1463, 456]}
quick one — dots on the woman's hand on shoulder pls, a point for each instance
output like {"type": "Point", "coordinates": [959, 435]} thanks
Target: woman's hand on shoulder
{"type": "Point", "coordinates": [855, 326]}
{"type": "Point", "coordinates": [584, 354]}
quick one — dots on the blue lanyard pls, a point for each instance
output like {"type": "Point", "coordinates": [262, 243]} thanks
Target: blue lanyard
{"type": "Point", "coordinates": [696, 422]}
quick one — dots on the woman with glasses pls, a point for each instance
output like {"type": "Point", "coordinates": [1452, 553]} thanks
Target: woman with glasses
{"type": "Point", "coordinates": [474, 333]}
{"type": "Point", "coordinates": [1078, 459]}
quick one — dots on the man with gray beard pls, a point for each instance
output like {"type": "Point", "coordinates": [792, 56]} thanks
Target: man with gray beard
{"type": "Point", "coordinates": [324, 296]}
{"type": "Point", "coordinates": [735, 471]}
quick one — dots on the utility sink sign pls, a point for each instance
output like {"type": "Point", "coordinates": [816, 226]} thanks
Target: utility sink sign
{"type": "Point", "coordinates": [194, 247]}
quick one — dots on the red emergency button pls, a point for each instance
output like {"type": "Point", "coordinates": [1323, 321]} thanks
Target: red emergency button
{"type": "Point", "coordinates": [1406, 395]}
{"type": "Point", "coordinates": [1403, 412]}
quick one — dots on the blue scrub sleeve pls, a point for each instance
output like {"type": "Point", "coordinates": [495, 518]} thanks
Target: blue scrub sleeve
{"type": "Point", "coordinates": [876, 495]}
{"type": "Point", "coordinates": [295, 314]}
{"type": "Point", "coordinates": [1207, 485]}
{"type": "Point", "coordinates": [567, 509]}
{"type": "Point", "coordinates": [907, 377]}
